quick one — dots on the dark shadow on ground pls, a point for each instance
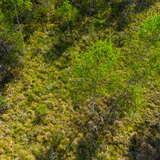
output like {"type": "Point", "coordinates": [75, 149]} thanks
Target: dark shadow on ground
{"type": "Point", "coordinates": [122, 11]}
{"type": "Point", "coordinates": [5, 77]}
{"type": "Point", "coordinates": [56, 51]}
{"type": "Point", "coordinates": [5, 58]}
{"type": "Point", "coordinates": [101, 123]}
{"type": "Point", "coordinates": [145, 144]}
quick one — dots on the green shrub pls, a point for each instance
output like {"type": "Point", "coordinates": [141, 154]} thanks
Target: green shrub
{"type": "Point", "coordinates": [136, 97]}
{"type": "Point", "coordinates": [42, 110]}
{"type": "Point", "coordinates": [154, 62]}
{"type": "Point", "coordinates": [150, 30]}
{"type": "Point", "coordinates": [2, 101]}
{"type": "Point", "coordinates": [129, 101]}
{"type": "Point", "coordinates": [91, 70]}
{"type": "Point", "coordinates": [67, 12]}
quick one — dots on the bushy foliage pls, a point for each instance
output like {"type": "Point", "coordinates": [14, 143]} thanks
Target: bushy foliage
{"type": "Point", "coordinates": [2, 101]}
{"type": "Point", "coordinates": [91, 69]}
{"type": "Point", "coordinates": [67, 12]}
{"type": "Point", "coordinates": [41, 110]}
{"type": "Point", "coordinates": [150, 29]}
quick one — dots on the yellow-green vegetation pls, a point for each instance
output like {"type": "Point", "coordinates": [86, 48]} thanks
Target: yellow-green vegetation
{"type": "Point", "coordinates": [91, 69]}
{"type": "Point", "coordinates": [79, 80]}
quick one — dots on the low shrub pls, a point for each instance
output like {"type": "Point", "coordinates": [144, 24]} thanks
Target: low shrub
{"type": "Point", "coordinates": [91, 70]}
{"type": "Point", "coordinates": [41, 110]}
{"type": "Point", "coordinates": [150, 29]}
{"type": "Point", "coordinates": [2, 101]}
{"type": "Point", "coordinates": [67, 12]}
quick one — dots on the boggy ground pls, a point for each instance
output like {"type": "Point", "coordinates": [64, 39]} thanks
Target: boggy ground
{"type": "Point", "coordinates": [42, 121]}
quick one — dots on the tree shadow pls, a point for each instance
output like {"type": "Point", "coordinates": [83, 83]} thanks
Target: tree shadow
{"type": "Point", "coordinates": [122, 11]}
{"type": "Point", "coordinates": [5, 56]}
{"type": "Point", "coordinates": [146, 143]}
{"type": "Point", "coordinates": [100, 122]}
{"type": "Point", "coordinates": [56, 51]}
{"type": "Point", "coordinates": [5, 77]}
{"type": "Point", "coordinates": [142, 5]}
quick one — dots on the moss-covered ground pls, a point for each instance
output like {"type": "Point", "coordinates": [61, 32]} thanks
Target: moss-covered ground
{"type": "Point", "coordinates": [115, 117]}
